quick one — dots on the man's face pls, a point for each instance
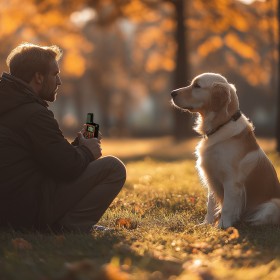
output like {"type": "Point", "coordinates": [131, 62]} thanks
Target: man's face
{"type": "Point", "coordinates": [50, 83]}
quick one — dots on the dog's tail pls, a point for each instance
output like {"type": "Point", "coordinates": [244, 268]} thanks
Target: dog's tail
{"type": "Point", "coordinates": [267, 213]}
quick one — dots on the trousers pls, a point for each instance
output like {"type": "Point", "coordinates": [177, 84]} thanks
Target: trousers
{"type": "Point", "coordinates": [92, 194]}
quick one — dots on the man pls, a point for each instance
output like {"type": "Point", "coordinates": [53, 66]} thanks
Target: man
{"type": "Point", "coordinates": [45, 182]}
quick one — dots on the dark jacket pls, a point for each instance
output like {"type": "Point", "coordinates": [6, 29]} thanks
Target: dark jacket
{"type": "Point", "coordinates": [34, 157]}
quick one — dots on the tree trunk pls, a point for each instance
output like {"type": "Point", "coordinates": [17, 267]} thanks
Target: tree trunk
{"type": "Point", "coordinates": [278, 91]}
{"type": "Point", "coordinates": [182, 121]}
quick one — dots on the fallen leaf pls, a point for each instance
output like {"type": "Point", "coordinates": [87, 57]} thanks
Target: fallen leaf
{"type": "Point", "coordinates": [90, 269]}
{"type": "Point", "coordinates": [233, 233]}
{"type": "Point", "coordinates": [59, 239]}
{"type": "Point", "coordinates": [21, 244]}
{"type": "Point", "coordinates": [192, 200]}
{"type": "Point", "coordinates": [112, 272]}
{"type": "Point", "coordinates": [126, 223]}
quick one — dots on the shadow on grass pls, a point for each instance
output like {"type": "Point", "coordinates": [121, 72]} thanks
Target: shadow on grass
{"type": "Point", "coordinates": [116, 246]}
{"type": "Point", "coordinates": [259, 244]}
{"type": "Point", "coordinates": [72, 256]}
{"type": "Point", "coordinates": [262, 237]}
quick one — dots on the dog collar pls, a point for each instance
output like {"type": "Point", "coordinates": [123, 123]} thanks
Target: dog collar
{"type": "Point", "coordinates": [234, 117]}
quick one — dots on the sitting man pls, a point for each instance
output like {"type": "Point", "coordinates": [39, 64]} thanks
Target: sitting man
{"type": "Point", "coordinates": [46, 182]}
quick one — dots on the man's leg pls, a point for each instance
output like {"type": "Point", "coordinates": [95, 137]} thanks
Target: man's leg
{"type": "Point", "coordinates": [93, 192]}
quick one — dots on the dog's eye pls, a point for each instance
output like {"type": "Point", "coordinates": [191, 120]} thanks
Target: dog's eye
{"type": "Point", "coordinates": [196, 85]}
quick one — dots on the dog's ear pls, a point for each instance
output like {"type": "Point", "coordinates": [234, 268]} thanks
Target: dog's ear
{"type": "Point", "coordinates": [220, 96]}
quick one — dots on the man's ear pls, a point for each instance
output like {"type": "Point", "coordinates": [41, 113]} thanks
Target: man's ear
{"type": "Point", "coordinates": [39, 78]}
{"type": "Point", "coordinates": [220, 96]}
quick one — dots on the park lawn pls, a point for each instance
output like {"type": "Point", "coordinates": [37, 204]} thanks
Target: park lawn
{"type": "Point", "coordinates": [156, 234]}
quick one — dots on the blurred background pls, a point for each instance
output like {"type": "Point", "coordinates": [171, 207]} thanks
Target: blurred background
{"type": "Point", "coordinates": [122, 58]}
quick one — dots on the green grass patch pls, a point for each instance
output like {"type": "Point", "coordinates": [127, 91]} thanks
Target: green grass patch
{"type": "Point", "coordinates": [166, 202]}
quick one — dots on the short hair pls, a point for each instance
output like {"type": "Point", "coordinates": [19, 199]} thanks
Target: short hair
{"type": "Point", "coordinates": [27, 59]}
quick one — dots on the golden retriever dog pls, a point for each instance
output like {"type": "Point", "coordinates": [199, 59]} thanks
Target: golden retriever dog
{"type": "Point", "coordinates": [242, 183]}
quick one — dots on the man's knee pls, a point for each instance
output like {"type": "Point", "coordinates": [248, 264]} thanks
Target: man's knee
{"type": "Point", "coordinates": [117, 166]}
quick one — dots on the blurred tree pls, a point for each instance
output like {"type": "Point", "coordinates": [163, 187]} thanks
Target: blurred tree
{"type": "Point", "coordinates": [116, 69]}
{"type": "Point", "coordinates": [50, 20]}
{"type": "Point", "coordinates": [108, 74]}
{"type": "Point", "coordinates": [240, 34]}
{"type": "Point", "coordinates": [182, 122]}
{"type": "Point", "coordinates": [240, 42]}
{"type": "Point", "coordinates": [228, 35]}
{"type": "Point", "coordinates": [278, 88]}
{"type": "Point", "coordinates": [224, 36]}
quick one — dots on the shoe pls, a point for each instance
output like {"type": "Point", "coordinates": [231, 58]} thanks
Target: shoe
{"type": "Point", "coordinates": [101, 228]}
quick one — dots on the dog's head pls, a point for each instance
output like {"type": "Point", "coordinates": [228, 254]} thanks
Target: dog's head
{"type": "Point", "coordinates": [208, 92]}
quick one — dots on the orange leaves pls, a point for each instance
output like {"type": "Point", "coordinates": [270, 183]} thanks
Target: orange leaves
{"type": "Point", "coordinates": [59, 239]}
{"type": "Point", "coordinates": [12, 17]}
{"type": "Point", "coordinates": [126, 223]}
{"type": "Point", "coordinates": [243, 37]}
{"type": "Point", "coordinates": [21, 244]}
{"type": "Point", "coordinates": [74, 64]}
{"type": "Point", "coordinates": [150, 36]}
{"type": "Point", "coordinates": [233, 233]}
{"type": "Point", "coordinates": [136, 10]}
{"type": "Point", "coordinates": [232, 41]}
{"type": "Point", "coordinates": [240, 47]}
{"type": "Point", "coordinates": [241, 22]}
{"type": "Point", "coordinates": [154, 42]}
{"type": "Point", "coordinates": [90, 269]}
{"type": "Point", "coordinates": [211, 45]}
{"type": "Point", "coordinates": [74, 61]}
{"type": "Point", "coordinates": [168, 24]}
{"type": "Point", "coordinates": [45, 19]}
{"type": "Point", "coordinates": [53, 18]}
{"type": "Point", "coordinates": [256, 75]}
{"type": "Point", "coordinates": [157, 61]}
{"type": "Point", "coordinates": [20, 15]}
{"type": "Point", "coordinates": [163, 57]}
{"type": "Point", "coordinates": [8, 26]}
{"type": "Point", "coordinates": [112, 272]}
{"type": "Point", "coordinates": [75, 42]}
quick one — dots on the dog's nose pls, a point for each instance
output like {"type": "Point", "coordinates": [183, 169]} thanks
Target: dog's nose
{"type": "Point", "coordinates": [174, 93]}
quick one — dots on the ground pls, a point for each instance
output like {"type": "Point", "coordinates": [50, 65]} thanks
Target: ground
{"type": "Point", "coordinates": [156, 233]}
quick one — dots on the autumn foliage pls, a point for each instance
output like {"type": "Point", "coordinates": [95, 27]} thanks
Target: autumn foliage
{"type": "Point", "coordinates": [121, 54]}
{"type": "Point", "coordinates": [247, 33]}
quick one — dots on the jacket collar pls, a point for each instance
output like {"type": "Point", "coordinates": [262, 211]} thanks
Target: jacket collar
{"type": "Point", "coordinates": [26, 88]}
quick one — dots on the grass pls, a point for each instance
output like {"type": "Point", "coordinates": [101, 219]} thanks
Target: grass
{"type": "Point", "coordinates": [158, 236]}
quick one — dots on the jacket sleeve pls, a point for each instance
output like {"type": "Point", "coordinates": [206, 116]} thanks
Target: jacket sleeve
{"type": "Point", "coordinates": [75, 142]}
{"type": "Point", "coordinates": [53, 153]}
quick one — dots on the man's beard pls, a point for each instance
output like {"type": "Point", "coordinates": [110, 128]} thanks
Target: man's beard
{"type": "Point", "coordinates": [47, 94]}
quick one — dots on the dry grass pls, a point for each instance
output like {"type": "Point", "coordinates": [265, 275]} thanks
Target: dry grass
{"type": "Point", "coordinates": [161, 148]}
{"type": "Point", "coordinates": [156, 234]}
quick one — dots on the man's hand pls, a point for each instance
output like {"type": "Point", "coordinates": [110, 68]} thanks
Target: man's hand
{"type": "Point", "coordinates": [93, 144]}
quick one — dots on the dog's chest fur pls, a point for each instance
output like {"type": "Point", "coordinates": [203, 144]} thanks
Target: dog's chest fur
{"type": "Point", "coordinates": [216, 165]}
{"type": "Point", "coordinates": [218, 159]}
